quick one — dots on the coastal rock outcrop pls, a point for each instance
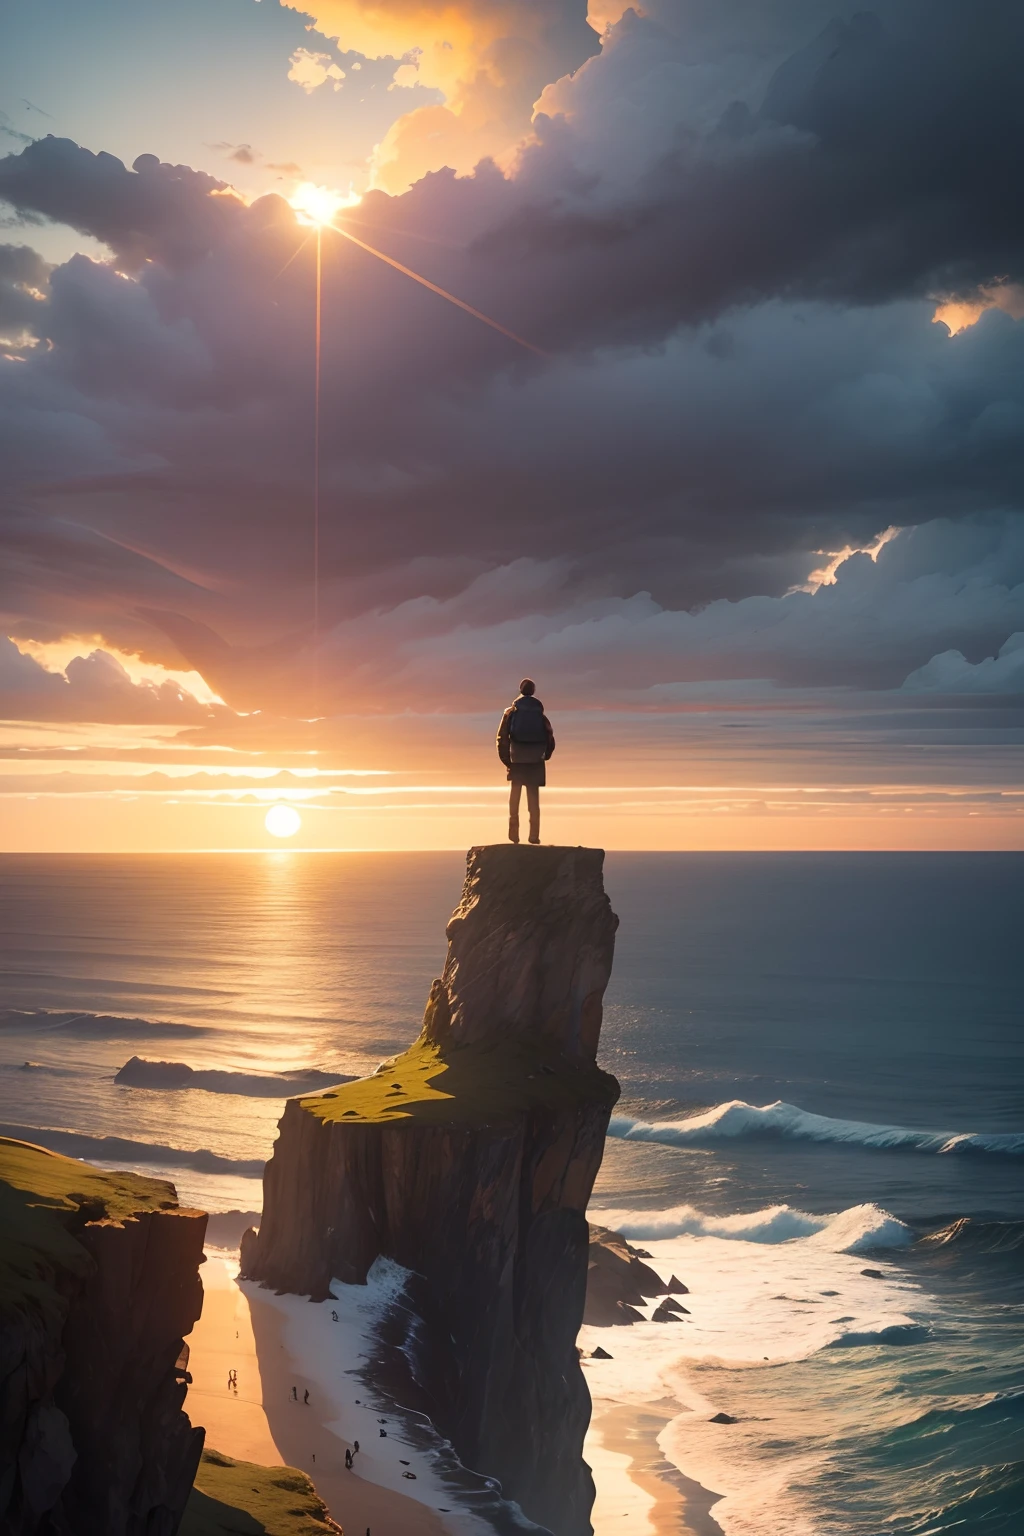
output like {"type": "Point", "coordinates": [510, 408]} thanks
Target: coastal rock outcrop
{"type": "Point", "coordinates": [469, 1160]}
{"type": "Point", "coordinates": [99, 1283]}
{"type": "Point", "coordinates": [618, 1281]}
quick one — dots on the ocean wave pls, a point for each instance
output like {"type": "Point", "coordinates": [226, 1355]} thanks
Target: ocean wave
{"type": "Point", "coordinates": [102, 1025]}
{"type": "Point", "coordinates": [736, 1120]}
{"type": "Point", "coordinates": [116, 1149]}
{"type": "Point", "coordinates": [170, 1075]}
{"type": "Point", "coordinates": [970, 1233]}
{"type": "Point", "coordinates": [856, 1230]}
{"type": "Point", "coordinates": [891, 1333]}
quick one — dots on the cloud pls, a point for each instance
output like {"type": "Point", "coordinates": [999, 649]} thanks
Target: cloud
{"type": "Point", "coordinates": [951, 672]}
{"type": "Point", "coordinates": [489, 60]}
{"type": "Point", "coordinates": [242, 154]}
{"type": "Point", "coordinates": [159, 212]}
{"type": "Point", "coordinates": [94, 688]}
{"type": "Point", "coordinates": [865, 631]}
{"type": "Point", "coordinates": [729, 233]}
{"type": "Point", "coordinates": [24, 280]}
{"type": "Point", "coordinates": [311, 70]}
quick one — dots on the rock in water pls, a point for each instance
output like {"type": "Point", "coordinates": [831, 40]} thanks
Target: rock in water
{"type": "Point", "coordinates": [475, 1173]}
{"type": "Point", "coordinates": [99, 1282]}
{"type": "Point", "coordinates": [617, 1281]}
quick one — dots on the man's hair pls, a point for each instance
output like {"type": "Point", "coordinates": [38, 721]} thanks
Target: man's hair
{"type": "Point", "coordinates": [527, 686]}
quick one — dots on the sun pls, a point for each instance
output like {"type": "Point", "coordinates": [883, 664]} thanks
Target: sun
{"type": "Point", "coordinates": [319, 206]}
{"type": "Point", "coordinates": [282, 821]}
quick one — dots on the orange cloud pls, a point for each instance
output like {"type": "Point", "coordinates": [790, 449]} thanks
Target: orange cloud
{"type": "Point", "coordinates": [490, 59]}
{"type": "Point", "coordinates": [958, 314]}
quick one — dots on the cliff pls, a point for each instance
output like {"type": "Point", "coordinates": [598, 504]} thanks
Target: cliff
{"type": "Point", "coordinates": [470, 1160]}
{"type": "Point", "coordinates": [231, 1497]}
{"type": "Point", "coordinates": [99, 1283]}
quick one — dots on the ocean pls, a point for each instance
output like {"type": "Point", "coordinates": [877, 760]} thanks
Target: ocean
{"type": "Point", "coordinates": [821, 1127]}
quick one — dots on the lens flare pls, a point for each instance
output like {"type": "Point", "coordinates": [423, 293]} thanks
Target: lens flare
{"type": "Point", "coordinates": [319, 206]}
{"type": "Point", "coordinates": [282, 821]}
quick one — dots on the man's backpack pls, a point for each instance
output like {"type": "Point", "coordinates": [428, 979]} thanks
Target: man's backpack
{"type": "Point", "coordinates": [528, 738]}
{"type": "Point", "coordinates": [526, 724]}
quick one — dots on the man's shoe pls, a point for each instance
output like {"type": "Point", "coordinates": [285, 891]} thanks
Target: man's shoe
{"type": "Point", "coordinates": [513, 834]}
{"type": "Point", "coordinates": [534, 840]}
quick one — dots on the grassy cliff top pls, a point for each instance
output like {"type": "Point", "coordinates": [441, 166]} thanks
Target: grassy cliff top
{"type": "Point", "coordinates": [478, 1084]}
{"type": "Point", "coordinates": [240, 1497]}
{"type": "Point", "coordinates": [44, 1198]}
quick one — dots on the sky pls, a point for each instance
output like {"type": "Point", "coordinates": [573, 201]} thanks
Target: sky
{"type": "Point", "coordinates": [726, 452]}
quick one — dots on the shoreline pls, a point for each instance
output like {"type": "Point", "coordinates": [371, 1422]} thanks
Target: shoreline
{"type": "Point", "coordinates": [635, 1479]}
{"type": "Point", "coordinates": [247, 1330]}
{"type": "Point", "coordinates": [262, 1423]}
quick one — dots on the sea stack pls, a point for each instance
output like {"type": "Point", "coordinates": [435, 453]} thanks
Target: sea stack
{"type": "Point", "coordinates": [99, 1283]}
{"type": "Point", "coordinates": [470, 1160]}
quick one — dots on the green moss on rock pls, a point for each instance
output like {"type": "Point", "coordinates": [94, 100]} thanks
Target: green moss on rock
{"type": "Point", "coordinates": [477, 1084]}
{"type": "Point", "coordinates": [240, 1497]}
{"type": "Point", "coordinates": [45, 1199]}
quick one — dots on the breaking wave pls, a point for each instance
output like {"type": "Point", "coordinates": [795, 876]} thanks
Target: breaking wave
{"type": "Point", "coordinates": [973, 1234]}
{"type": "Point", "coordinates": [117, 1149]}
{"type": "Point", "coordinates": [856, 1230]}
{"type": "Point", "coordinates": [892, 1333]}
{"type": "Point", "coordinates": [735, 1120]}
{"type": "Point", "coordinates": [101, 1025]}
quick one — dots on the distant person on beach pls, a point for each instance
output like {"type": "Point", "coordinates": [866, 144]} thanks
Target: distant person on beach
{"type": "Point", "coordinates": [348, 1458]}
{"type": "Point", "coordinates": [525, 742]}
{"type": "Point", "coordinates": [295, 1394]}
{"type": "Point", "coordinates": [305, 1396]}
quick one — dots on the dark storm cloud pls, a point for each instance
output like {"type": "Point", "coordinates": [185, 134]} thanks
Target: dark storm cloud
{"type": "Point", "coordinates": [877, 165]}
{"type": "Point", "coordinates": [166, 213]}
{"type": "Point", "coordinates": [745, 374]}
{"type": "Point", "coordinates": [24, 277]}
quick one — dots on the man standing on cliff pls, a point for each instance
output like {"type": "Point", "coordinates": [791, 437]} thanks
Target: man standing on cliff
{"type": "Point", "coordinates": [525, 742]}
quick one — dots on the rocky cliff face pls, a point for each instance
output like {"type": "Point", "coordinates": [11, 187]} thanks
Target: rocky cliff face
{"type": "Point", "coordinates": [470, 1160]}
{"type": "Point", "coordinates": [99, 1283]}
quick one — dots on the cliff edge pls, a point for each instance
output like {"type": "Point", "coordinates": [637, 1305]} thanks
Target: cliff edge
{"type": "Point", "coordinates": [470, 1160]}
{"type": "Point", "coordinates": [99, 1283]}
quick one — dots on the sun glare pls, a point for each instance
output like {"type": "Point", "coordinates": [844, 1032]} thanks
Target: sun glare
{"type": "Point", "coordinates": [319, 206]}
{"type": "Point", "coordinates": [282, 821]}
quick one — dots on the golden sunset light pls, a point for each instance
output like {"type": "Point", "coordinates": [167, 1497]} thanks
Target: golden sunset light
{"type": "Point", "coordinates": [318, 207]}
{"type": "Point", "coordinates": [511, 766]}
{"type": "Point", "coordinates": [282, 821]}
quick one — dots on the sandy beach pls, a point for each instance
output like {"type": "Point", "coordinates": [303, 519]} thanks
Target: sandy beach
{"type": "Point", "coordinates": [266, 1340]}
{"type": "Point", "coordinates": [262, 1422]}
{"type": "Point", "coordinates": [637, 1483]}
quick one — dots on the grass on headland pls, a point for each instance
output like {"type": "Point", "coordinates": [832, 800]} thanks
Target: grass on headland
{"type": "Point", "coordinates": [44, 1199]}
{"type": "Point", "coordinates": [482, 1083]}
{"type": "Point", "coordinates": [240, 1497]}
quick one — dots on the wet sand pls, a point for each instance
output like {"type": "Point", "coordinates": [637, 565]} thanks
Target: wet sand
{"type": "Point", "coordinates": [262, 1423]}
{"type": "Point", "coordinates": [638, 1488]}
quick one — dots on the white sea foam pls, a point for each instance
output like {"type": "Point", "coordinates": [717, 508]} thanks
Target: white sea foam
{"type": "Point", "coordinates": [330, 1355]}
{"type": "Point", "coordinates": [737, 1119]}
{"type": "Point", "coordinates": [855, 1230]}
{"type": "Point", "coordinates": [767, 1288]}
